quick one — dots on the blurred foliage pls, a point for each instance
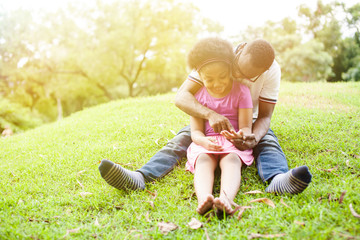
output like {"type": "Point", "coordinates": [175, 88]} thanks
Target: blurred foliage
{"type": "Point", "coordinates": [17, 117]}
{"type": "Point", "coordinates": [318, 49]}
{"type": "Point", "coordinates": [57, 63]}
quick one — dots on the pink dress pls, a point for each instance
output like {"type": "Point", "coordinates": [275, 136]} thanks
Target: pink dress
{"type": "Point", "coordinates": [228, 106]}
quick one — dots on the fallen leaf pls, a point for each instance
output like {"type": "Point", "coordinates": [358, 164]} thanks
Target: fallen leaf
{"type": "Point", "coordinates": [342, 197]}
{"type": "Point", "coordinates": [207, 234]}
{"type": "Point", "coordinates": [330, 150]}
{"type": "Point", "coordinates": [264, 200]}
{"type": "Point", "coordinates": [157, 141]}
{"type": "Point", "coordinates": [299, 223]}
{"type": "Point", "coordinates": [344, 153]}
{"type": "Point", "coordinates": [347, 162]}
{"type": "Point", "coordinates": [138, 236]}
{"type": "Point", "coordinates": [82, 186]}
{"type": "Point", "coordinates": [195, 224]}
{"type": "Point", "coordinates": [165, 228]}
{"type": "Point", "coordinates": [68, 231]}
{"type": "Point", "coordinates": [147, 216]}
{"type": "Point", "coordinates": [151, 203]}
{"type": "Point", "coordinates": [319, 199]}
{"type": "Point", "coordinates": [237, 208]}
{"type": "Point", "coordinates": [73, 230]}
{"type": "Point", "coordinates": [346, 236]}
{"type": "Point", "coordinates": [79, 173]}
{"type": "Point", "coordinates": [254, 192]}
{"type": "Point", "coordinates": [153, 194]}
{"type": "Point", "coordinates": [332, 169]}
{"type": "Point", "coordinates": [231, 201]}
{"type": "Point", "coordinates": [84, 194]}
{"type": "Point", "coordinates": [247, 207]}
{"type": "Point", "coordinates": [242, 210]}
{"type": "Point", "coordinates": [190, 197]}
{"type": "Point", "coordinates": [96, 223]}
{"type": "Point", "coordinates": [20, 202]}
{"type": "Point", "coordinates": [257, 235]}
{"type": "Point", "coordinates": [355, 214]}
{"type": "Point", "coordinates": [283, 203]}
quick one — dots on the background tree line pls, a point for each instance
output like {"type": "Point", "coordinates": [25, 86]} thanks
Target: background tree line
{"type": "Point", "coordinates": [55, 63]}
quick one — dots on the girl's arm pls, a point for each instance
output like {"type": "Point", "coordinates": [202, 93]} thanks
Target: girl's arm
{"type": "Point", "coordinates": [197, 126]}
{"type": "Point", "coordinates": [245, 120]}
{"type": "Point", "coordinates": [197, 129]}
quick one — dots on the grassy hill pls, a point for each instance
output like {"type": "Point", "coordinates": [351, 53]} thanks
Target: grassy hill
{"type": "Point", "coordinates": [50, 186]}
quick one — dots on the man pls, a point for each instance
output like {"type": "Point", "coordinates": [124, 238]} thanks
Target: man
{"type": "Point", "coordinates": [255, 65]}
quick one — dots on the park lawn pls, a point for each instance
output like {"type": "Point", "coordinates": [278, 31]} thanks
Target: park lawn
{"type": "Point", "coordinates": [50, 186]}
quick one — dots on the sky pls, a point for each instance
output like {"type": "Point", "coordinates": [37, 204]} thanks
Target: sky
{"type": "Point", "coordinates": [234, 15]}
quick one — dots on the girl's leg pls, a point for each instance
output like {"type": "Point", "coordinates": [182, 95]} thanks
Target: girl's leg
{"type": "Point", "coordinates": [203, 182]}
{"type": "Point", "coordinates": [230, 166]}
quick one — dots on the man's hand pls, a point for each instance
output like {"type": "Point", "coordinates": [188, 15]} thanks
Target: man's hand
{"type": "Point", "coordinates": [240, 140]}
{"type": "Point", "coordinates": [219, 123]}
{"type": "Point", "coordinates": [211, 144]}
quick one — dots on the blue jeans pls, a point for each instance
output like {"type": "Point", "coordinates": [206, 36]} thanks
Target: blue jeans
{"type": "Point", "coordinates": [168, 157]}
{"type": "Point", "coordinates": [270, 159]}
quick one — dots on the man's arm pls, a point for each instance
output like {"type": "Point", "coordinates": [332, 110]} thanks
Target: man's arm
{"type": "Point", "coordinates": [186, 101]}
{"type": "Point", "coordinates": [261, 125]}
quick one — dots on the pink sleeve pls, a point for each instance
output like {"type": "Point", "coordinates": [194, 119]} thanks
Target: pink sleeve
{"type": "Point", "coordinates": [245, 97]}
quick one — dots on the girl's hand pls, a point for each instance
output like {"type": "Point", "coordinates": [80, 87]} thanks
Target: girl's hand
{"type": "Point", "coordinates": [240, 140]}
{"type": "Point", "coordinates": [211, 144]}
{"type": "Point", "coordinates": [231, 135]}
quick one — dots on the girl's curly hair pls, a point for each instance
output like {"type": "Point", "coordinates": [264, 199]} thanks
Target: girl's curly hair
{"type": "Point", "coordinates": [211, 47]}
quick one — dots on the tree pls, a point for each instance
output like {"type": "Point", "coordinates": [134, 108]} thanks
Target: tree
{"type": "Point", "coordinates": [56, 63]}
{"type": "Point", "coordinates": [307, 62]}
{"type": "Point", "coordinates": [139, 44]}
{"type": "Point", "coordinates": [326, 28]}
{"type": "Point", "coordinates": [351, 49]}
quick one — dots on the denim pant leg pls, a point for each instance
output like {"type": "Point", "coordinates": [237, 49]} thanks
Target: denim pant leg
{"type": "Point", "coordinates": [168, 157]}
{"type": "Point", "coordinates": [270, 159]}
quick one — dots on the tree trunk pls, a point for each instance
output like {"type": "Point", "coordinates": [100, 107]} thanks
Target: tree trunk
{"type": "Point", "coordinates": [59, 109]}
{"type": "Point", "coordinates": [131, 90]}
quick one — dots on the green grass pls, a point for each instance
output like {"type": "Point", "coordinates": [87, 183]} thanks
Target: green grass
{"type": "Point", "coordinates": [44, 171]}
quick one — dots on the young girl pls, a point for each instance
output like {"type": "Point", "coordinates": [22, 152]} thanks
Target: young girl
{"type": "Point", "coordinates": [212, 58]}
